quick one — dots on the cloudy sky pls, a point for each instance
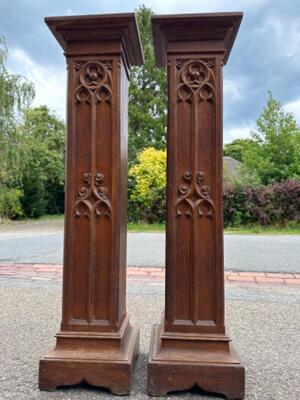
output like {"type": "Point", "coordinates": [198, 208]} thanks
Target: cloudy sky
{"type": "Point", "coordinates": [266, 54]}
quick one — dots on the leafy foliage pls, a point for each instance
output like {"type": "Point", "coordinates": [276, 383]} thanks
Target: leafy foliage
{"type": "Point", "coordinates": [235, 173]}
{"type": "Point", "coordinates": [10, 203]}
{"type": "Point", "coordinates": [16, 94]}
{"type": "Point", "coordinates": [277, 203]}
{"type": "Point", "coordinates": [243, 203]}
{"type": "Point", "coordinates": [239, 205]}
{"type": "Point", "coordinates": [265, 189]}
{"type": "Point", "coordinates": [276, 155]}
{"type": "Point", "coordinates": [33, 200]}
{"type": "Point", "coordinates": [147, 179]}
{"type": "Point", "coordinates": [282, 202]}
{"type": "Point", "coordinates": [43, 136]}
{"type": "Point", "coordinates": [237, 148]}
{"type": "Point", "coordinates": [147, 96]}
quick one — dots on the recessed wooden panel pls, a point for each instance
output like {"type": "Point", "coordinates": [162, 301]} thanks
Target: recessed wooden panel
{"type": "Point", "coordinates": [190, 201]}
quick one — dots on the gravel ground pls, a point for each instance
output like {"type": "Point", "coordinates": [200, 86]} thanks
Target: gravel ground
{"type": "Point", "coordinates": [265, 331]}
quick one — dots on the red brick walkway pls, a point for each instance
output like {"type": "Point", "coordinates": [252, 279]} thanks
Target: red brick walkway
{"type": "Point", "coordinates": [54, 272]}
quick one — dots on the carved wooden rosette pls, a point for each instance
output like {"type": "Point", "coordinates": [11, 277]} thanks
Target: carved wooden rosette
{"type": "Point", "coordinates": [190, 347]}
{"type": "Point", "coordinates": [96, 343]}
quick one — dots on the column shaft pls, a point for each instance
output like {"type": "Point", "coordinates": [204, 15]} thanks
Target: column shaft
{"type": "Point", "coordinates": [96, 343]}
{"type": "Point", "coordinates": [190, 347]}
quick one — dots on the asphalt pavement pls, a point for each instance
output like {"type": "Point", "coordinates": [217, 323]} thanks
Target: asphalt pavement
{"type": "Point", "coordinates": [262, 320]}
{"type": "Point", "coordinates": [264, 327]}
{"type": "Point", "coordinates": [267, 253]}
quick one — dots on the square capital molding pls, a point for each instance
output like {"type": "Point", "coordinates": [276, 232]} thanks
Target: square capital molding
{"type": "Point", "coordinates": [98, 29]}
{"type": "Point", "coordinates": [217, 30]}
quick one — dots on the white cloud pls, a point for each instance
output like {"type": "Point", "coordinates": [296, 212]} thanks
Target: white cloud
{"type": "Point", "coordinates": [294, 107]}
{"type": "Point", "coordinates": [285, 37]}
{"type": "Point", "coordinates": [242, 131]}
{"type": "Point", "coordinates": [235, 89]}
{"type": "Point", "coordinates": [49, 81]}
{"type": "Point", "coordinates": [189, 6]}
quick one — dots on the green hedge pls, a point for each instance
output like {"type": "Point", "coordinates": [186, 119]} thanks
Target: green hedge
{"type": "Point", "coordinates": [276, 204]}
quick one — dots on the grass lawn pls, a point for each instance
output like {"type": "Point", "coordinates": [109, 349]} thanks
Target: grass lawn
{"type": "Point", "coordinates": [242, 230]}
{"type": "Point", "coordinates": [264, 230]}
{"type": "Point", "coordinates": [145, 227]}
{"type": "Point", "coordinates": [133, 227]}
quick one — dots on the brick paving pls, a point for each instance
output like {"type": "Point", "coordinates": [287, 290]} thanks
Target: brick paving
{"type": "Point", "coordinates": [140, 275]}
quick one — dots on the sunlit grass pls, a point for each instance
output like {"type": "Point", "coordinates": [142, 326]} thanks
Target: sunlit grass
{"type": "Point", "coordinates": [291, 229]}
{"type": "Point", "coordinates": [132, 227]}
{"type": "Point", "coordinates": [264, 230]}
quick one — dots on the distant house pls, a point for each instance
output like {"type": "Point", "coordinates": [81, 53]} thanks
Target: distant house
{"type": "Point", "coordinates": [231, 169]}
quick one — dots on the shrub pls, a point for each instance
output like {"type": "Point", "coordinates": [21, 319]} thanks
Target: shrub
{"type": "Point", "coordinates": [283, 202]}
{"type": "Point", "coordinates": [10, 203]}
{"type": "Point", "coordinates": [237, 205]}
{"type": "Point", "coordinates": [34, 202]}
{"type": "Point", "coordinates": [278, 203]}
{"type": "Point", "coordinates": [244, 201]}
{"type": "Point", "coordinates": [147, 181]}
{"type": "Point", "coordinates": [55, 198]}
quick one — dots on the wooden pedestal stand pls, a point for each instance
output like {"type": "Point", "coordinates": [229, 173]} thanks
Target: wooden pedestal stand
{"type": "Point", "coordinates": [190, 347]}
{"type": "Point", "coordinates": [96, 343]}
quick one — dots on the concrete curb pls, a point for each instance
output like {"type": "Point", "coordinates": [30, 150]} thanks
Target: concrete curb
{"type": "Point", "coordinates": [141, 274]}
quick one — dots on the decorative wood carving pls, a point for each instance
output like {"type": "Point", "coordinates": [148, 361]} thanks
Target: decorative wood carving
{"type": "Point", "coordinates": [93, 198]}
{"type": "Point", "coordinates": [194, 196]}
{"type": "Point", "coordinates": [191, 347]}
{"type": "Point", "coordinates": [93, 82]}
{"type": "Point", "coordinates": [196, 80]}
{"type": "Point", "coordinates": [96, 343]}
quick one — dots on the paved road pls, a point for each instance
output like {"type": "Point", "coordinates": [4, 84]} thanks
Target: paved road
{"type": "Point", "coordinates": [264, 329]}
{"type": "Point", "coordinates": [278, 253]}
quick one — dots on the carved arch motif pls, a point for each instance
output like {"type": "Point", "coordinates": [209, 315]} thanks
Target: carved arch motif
{"type": "Point", "coordinates": [93, 198]}
{"type": "Point", "coordinates": [194, 197]}
{"type": "Point", "coordinates": [196, 79]}
{"type": "Point", "coordinates": [93, 82]}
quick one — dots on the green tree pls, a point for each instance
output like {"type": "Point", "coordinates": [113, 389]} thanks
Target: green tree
{"type": "Point", "coordinates": [147, 95]}
{"type": "Point", "coordinates": [43, 137]}
{"type": "Point", "coordinates": [237, 148]}
{"type": "Point", "coordinates": [16, 94]}
{"type": "Point", "coordinates": [276, 156]}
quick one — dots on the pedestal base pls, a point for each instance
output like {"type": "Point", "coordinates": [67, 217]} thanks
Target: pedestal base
{"type": "Point", "coordinates": [104, 360]}
{"type": "Point", "coordinates": [182, 361]}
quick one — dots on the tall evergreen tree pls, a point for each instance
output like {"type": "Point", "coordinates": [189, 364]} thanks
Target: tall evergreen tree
{"type": "Point", "coordinates": [147, 95]}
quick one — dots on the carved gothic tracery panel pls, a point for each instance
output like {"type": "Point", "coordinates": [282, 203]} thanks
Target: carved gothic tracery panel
{"type": "Point", "coordinates": [194, 197]}
{"type": "Point", "coordinates": [93, 82]}
{"type": "Point", "coordinates": [93, 198]}
{"type": "Point", "coordinates": [195, 85]}
{"type": "Point", "coordinates": [196, 79]}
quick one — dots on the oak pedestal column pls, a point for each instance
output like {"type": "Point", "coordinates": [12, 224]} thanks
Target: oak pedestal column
{"type": "Point", "coordinates": [96, 343]}
{"type": "Point", "coordinates": [190, 347]}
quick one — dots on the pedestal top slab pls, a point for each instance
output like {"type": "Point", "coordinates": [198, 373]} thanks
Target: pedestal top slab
{"type": "Point", "coordinates": [97, 29]}
{"type": "Point", "coordinates": [190, 28]}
